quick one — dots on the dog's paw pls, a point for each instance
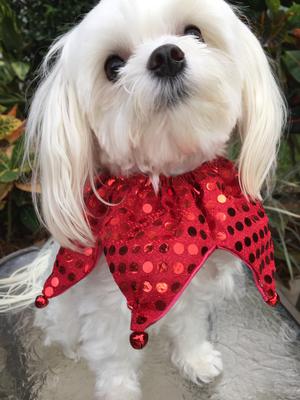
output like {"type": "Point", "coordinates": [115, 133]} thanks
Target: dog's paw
{"type": "Point", "coordinates": [203, 365]}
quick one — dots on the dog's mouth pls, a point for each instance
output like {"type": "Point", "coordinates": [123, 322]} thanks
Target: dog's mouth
{"type": "Point", "coordinates": [172, 92]}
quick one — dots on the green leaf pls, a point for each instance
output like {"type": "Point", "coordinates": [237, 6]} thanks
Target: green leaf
{"type": "Point", "coordinates": [29, 219]}
{"type": "Point", "coordinates": [6, 72]}
{"type": "Point", "coordinates": [273, 5]}
{"type": "Point", "coordinates": [17, 154]}
{"type": "Point", "coordinates": [294, 16]}
{"type": "Point", "coordinates": [4, 162]}
{"type": "Point", "coordinates": [21, 69]}
{"type": "Point", "coordinates": [292, 61]}
{"type": "Point", "coordinates": [9, 176]}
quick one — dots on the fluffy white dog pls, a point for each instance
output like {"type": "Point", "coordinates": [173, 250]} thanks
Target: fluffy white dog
{"type": "Point", "coordinates": [154, 87]}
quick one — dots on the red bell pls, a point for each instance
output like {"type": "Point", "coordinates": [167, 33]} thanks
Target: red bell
{"type": "Point", "coordinates": [273, 301]}
{"type": "Point", "coordinates": [139, 340]}
{"type": "Point", "coordinates": [41, 302]}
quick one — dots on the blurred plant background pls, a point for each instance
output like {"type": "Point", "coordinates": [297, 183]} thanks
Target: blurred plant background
{"type": "Point", "coordinates": [26, 31]}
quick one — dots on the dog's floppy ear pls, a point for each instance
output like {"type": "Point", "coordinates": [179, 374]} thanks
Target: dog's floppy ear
{"type": "Point", "coordinates": [263, 115]}
{"type": "Point", "coordinates": [59, 136]}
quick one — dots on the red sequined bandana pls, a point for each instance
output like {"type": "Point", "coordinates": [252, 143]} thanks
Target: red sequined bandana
{"type": "Point", "coordinates": [154, 244]}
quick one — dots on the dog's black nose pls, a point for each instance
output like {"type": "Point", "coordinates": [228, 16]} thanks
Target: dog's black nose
{"type": "Point", "coordinates": [166, 61]}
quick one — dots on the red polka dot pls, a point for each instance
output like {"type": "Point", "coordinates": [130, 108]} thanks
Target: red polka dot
{"type": "Point", "coordinates": [178, 248]}
{"type": "Point", "coordinates": [55, 282]}
{"type": "Point", "coordinates": [49, 291]}
{"type": "Point", "coordinates": [178, 268]}
{"type": "Point", "coordinates": [147, 208]}
{"type": "Point", "coordinates": [88, 252]}
{"type": "Point", "coordinates": [148, 267]}
{"type": "Point", "coordinates": [193, 249]}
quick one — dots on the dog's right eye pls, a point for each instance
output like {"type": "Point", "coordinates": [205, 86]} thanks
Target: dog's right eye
{"type": "Point", "coordinates": [112, 67]}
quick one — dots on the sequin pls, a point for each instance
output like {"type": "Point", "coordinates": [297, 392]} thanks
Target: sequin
{"type": "Point", "coordinates": [201, 219]}
{"type": "Point", "coordinates": [164, 248]}
{"type": "Point", "coordinates": [170, 226]}
{"type": "Point", "coordinates": [221, 236]}
{"type": "Point", "coordinates": [114, 221]}
{"type": "Point", "coordinates": [49, 291]}
{"type": "Point", "coordinates": [134, 268]}
{"type": "Point", "coordinates": [112, 250]}
{"type": "Point", "coordinates": [210, 186]}
{"type": "Point", "coordinates": [136, 248]}
{"type": "Point", "coordinates": [88, 252]}
{"type": "Point", "coordinates": [62, 269]}
{"type": "Point", "coordinates": [123, 250]}
{"type": "Point", "coordinates": [191, 217]}
{"type": "Point", "coordinates": [86, 268]}
{"type": "Point", "coordinates": [68, 258]}
{"type": "Point", "coordinates": [175, 287]}
{"type": "Point", "coordinates": [112, 267]}
{"type": "Point", "coordinates": [148, 267]}
{"type": "Point", "coordinates": [221, 217]}
{"type": "Point", "coordinates": [148, 248]}
{"type": "Point", "coordinates": [247, 242]}
{"type": "Point", "coordinates": [252, 258]}
{"type": "Point", "coordinates": [178, 248]}
{"type": "Point", "coordinates": [162, 267]}
{"type": "Point", "coordinates": [141, 320]}
{"type": "Point", "coordinates": [162, 287]}
{"type": "Point", "coordinates": [222, 199]}
{"type": "Point", "coordinates": [178, 268]}
{"type": "Point", "coordinates": [203, 235]}
{"type": "Point", "coordinates": [239, 226]}
{"type": "Point", "coordinates": [239, 246]}
{"type": "Point", "coordinates": [193, 249]}
{"type": "Point", "coordinates": [268, 279]}
{"type": "Point", "coordinates": [79, 264]}
{"type": "Point", "coordinates": [204, 250]}
{"type": "Point", "coordinates": [71, 277]}
{"type": "Point", "coordinates": [147, 287]}
{"type": "Point", "coordinates": [248, 222]}
{"type": "Point", "coordinates": [55, 282]}
{"type": "Point", "coordinates": [147, 208]}
{"type": "Point", "coordinates": [191, 268]}
{"type": "Point", "coordinates": [192, 231]}
{"type": "Point", "coordinates": [231, 212]}
{"type": "Point", "coordinates": [230, 230]}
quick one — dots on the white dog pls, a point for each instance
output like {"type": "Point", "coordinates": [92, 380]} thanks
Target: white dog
{"type": "Point", "coordinates": [153, 87]}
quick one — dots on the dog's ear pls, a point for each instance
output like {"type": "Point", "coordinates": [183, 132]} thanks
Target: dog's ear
{"type": "Point", "coordinates": [263, 115]}
{"type": "Point", "coordinates": [59, 136]}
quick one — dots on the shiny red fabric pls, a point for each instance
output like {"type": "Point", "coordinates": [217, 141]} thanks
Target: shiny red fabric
{"type": "Point", "coordinates": [154, 244]}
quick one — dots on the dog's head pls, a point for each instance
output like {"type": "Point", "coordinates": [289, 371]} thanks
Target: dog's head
{"type": "Point", "coordinates": [156, 87]}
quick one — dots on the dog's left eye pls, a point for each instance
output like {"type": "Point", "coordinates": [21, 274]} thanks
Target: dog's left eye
{"type": "Point", "coordinates": [193, 30]}
{"type": "Point", "coordinates": [112, 67]}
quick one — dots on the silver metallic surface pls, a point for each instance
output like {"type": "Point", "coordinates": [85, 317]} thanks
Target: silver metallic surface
{"type": "Point", "coordinates": [260, 348]}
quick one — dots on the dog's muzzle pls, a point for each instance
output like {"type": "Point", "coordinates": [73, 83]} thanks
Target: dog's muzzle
{"type": "Point", "coordinates": [167, 61]}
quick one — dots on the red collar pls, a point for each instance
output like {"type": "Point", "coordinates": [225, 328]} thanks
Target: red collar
{"type": "Point", "coordinates": [155, 243]}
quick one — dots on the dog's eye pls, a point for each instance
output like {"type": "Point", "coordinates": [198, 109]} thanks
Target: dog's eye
{"type": "Point", "coordinates": [112, 67]}
{"type": "Point", "coordinates": [193, 30]}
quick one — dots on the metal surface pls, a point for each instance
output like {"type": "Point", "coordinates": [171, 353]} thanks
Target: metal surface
{"type": "Point", "coordinates": [260, 348]}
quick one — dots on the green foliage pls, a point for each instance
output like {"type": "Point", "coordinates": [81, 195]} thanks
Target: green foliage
{"type": "Point", "coordinates": [15, 199]}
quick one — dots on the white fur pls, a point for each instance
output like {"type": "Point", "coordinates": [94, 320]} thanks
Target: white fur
{"type": "Point", "coordinates": [80, 123]}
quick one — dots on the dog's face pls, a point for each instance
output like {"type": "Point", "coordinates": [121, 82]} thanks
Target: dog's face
{"type": "Point", "coordinates": [160, 82]}
{"type": "Point", "coordinates": [156, 87]}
